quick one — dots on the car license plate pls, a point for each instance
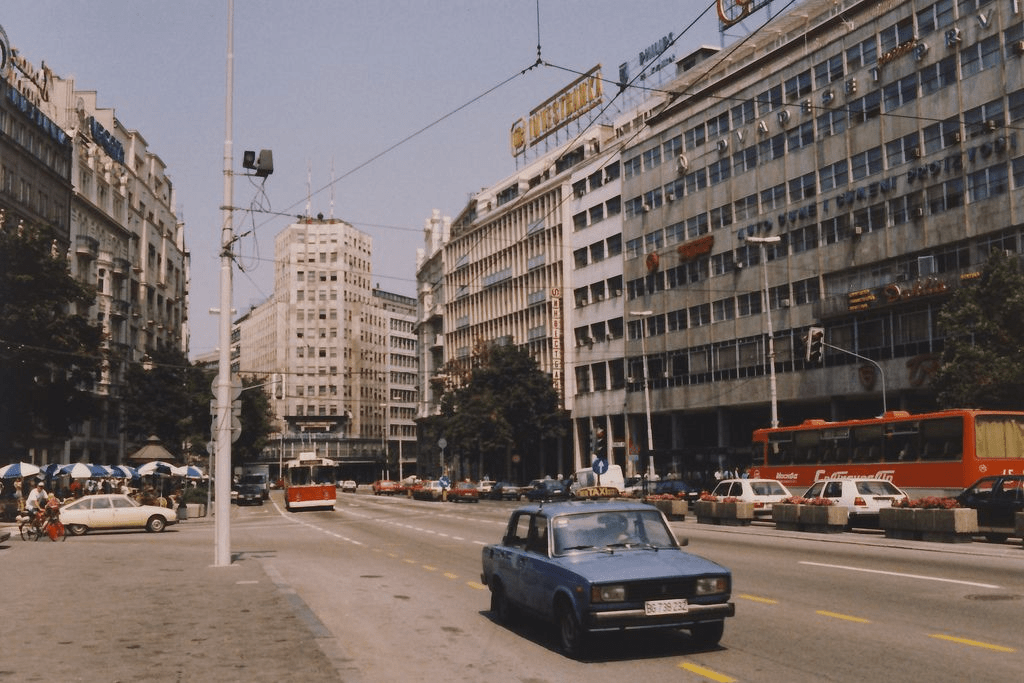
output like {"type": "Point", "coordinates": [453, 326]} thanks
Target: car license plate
{"type": "Point", "coordinates": [655, 607]}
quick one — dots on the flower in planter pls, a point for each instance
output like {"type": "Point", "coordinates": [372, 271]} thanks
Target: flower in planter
{"type": "Point", "coordinates": [793, 500]}
{"type": "Point", "coordinates": [927, 503]}
{"type": "Point", "coordinates": [731, 499]}
{"type": "Point", "coordinates": [823, 502]}
{"type": "Point", "coordinates": [704, 495]}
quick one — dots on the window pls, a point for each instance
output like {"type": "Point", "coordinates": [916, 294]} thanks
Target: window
{"type": "Point", "coordinates": [870, 219]}
{"type": "Point", "coordinates": [804, 239]}
{"type": "Point", "coordinates": [769, 100]}
{"type": "Point", "coordinates": [742, 114]}
{"type": "Point", "coordinates": [721, 217]}
{"type": "Point", "coordinates": [833, 176]}
{"type": "Point", "coordinates": [696, 181]}
{"type": "Point", "coordinates": [940, 135]}
{"type": "Point", "coordinates": [828, 71]}
{"type": "Point", "coordinates": [935, 17]}
{"type": "Point", "coordinates": [718, 125]}
{"type": "Point", "coordinates": [944, 196]}
{"type": "Point", "coordinates": [897, 34]}
{"type": "Point", "coordinates": [673, 148]}
{"type": "Point", "coordinates": [832, 123]}
{"type": "Point", "coordinates": [895, 95]}
{"type": "Point", "coordinates": [984, 119]}
{"type": "Point", "coordinates": [652, 158]}
{"type": "Point", "coordinates": [988, 182]}
{"type": "Point", "coordinates": [800, 136]}
{"type": "Point", "coordinates": [866, 108]}
{"type": "Point", "coordinates": [773, 198]}
{"type": "Point", "coordinates": [695, 137]}
{"type": "Point", "coordinates": [798, 86]}
{"type": "Point", "coordinates": [935, 77]}
{"type": "Point", "coordinates": [744, 160]}
{"type": "Point", "coordinates": [862, 54]}
{"type": "Point", "coordinates": [697, 225]}
{"type": "Point", "coordinates": [631, 167]}
{"type": "Point", "coordinates": [902, 150]}
{"type": "Point", "coordinates": [866, 163]}
{"type": "Point", "coordinates": [749, 303]}
{"type": "Point", "coordinates": [746, 208]}
{"type": "Point", "coordinates": [719, 171]}
{"type": "Point", "coordinates": [724, 309]}
{"type": "Point", "coordinates": [803, 187]}
{"type": "Point", "coordinates": [980, 56]}
{"type": "Point", "coordinates": [675, 233]}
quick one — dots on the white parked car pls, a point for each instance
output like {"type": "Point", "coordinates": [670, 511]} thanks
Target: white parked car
{"type": "Point", "coordinates": [348, 486]}
{"type": "Point", "coordinates": [113, 511]}
{"type": "Point", "coordinates": [761, 492]}
{"type": "Point", "coordinates": [862, 495]}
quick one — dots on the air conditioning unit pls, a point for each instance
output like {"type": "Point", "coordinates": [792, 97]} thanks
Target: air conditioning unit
{"type": "Point", "coordinates": [600, 297]}
{"type": "Point", "coordinates": [858, 231]}
{"type": "Point", "coordinates": [1018, 47]}
{"type": "Point", "coordinates": [670, 197]}
{"type": "Point", "coordinates": [618, 292]}
{"type": "Point", "coordinates": [915, 153]}
{"type": "Point", "coordinates": [785, 303]}
{"type": "Point", "coordinates": [609, 337]}
{"type": "Point", "coordinates": [918, 212]}
{"type": "Point", "coordinates": [990, 125]}
{"type": "Point", "coordinates": [645, 208]}
{"type": "Point", "coordinates": [739, 265]}
{"type": "Point", "coordinates": [682, 163]}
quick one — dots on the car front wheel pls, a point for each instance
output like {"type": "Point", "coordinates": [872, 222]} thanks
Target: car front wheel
{"type": "Point", "coordinates": [156, 524]}
{"type": "Point", "coordinates": [571, 635]}
{"type": "Point", "coordinates": [77, 529]}
{"type": "Point", "coordinates": [500, 605]}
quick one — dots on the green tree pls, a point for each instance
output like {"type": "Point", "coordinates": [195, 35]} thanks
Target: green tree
{"type": "Point", "coordinates": [168, 397]}
{"type": "Point", "coordinates": [257, 421]}
{"type": "Point", "coordinates": [983, 325]}
{"type": "Point", "coordinates": [49, 352]}
{"type": "Point", "coordinates": [504, 406]}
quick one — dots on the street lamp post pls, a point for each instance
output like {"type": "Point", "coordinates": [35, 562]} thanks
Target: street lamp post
{"type": "Point", "coordinates": [643, 315]}
{"type": "Point", "coordinates": [772, 387]}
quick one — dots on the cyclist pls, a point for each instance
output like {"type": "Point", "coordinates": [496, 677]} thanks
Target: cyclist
{"type": "Point", "coordinates": [36, 500]}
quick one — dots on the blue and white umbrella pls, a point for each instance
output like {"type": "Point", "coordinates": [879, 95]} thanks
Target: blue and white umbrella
{"type": "Point", "coordinates": [156, 467]}
{"type": "Point", "coordinates": [18, 469]}
{"type": "Point", "coordinates": [126, 471]}
{"type": "Point", "coordinates": [190, 472]}
{"type": "Point", "coordinates": [51, 470]}
{"type": "Point", "coordinates": [81, 470]}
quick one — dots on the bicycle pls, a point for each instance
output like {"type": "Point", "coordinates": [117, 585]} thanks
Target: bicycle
{"type": "Point", "coordinates": [32, 529]}
{"type": "Point", "coordinates": [29, 525]}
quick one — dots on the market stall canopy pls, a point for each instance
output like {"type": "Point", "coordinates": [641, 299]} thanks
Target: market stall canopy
{"type": "Point", "coordinates": [152, 450]}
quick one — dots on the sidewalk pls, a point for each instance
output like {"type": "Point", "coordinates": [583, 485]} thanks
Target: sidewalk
{"type": "Point", "coordinates": [129, 606]}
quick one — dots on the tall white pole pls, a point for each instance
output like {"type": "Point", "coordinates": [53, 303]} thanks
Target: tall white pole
{"type": "Point", "coordinates": [644, 315]}
{"type": "Point", "coordinates": [772, 386]}
{"type": "Point", "coordinates": [222, 526]}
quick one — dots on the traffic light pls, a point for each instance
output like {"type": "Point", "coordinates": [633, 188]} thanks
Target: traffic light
{"type": "Point", "coordinates": [816, 345]}
{"type": "Point", "coordinates": [599, 443]}
{"type": "Point", "coordinates": [593, 441]}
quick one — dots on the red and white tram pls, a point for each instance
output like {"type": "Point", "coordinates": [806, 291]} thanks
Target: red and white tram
{"type": "Point", "coordinates": [309, 483]}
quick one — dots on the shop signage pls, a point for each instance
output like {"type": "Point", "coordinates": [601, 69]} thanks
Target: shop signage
{"type": "Point", "coordinates": [562, 108]}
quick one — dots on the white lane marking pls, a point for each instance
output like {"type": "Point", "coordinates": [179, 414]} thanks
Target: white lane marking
{"type": "Point", "coordinates": [900, 574]}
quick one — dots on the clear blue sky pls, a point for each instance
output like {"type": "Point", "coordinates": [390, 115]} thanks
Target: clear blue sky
{"type": "Point", "coordinates": [327, 84]}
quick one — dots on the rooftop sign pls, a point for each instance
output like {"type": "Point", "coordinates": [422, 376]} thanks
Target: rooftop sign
{"type": "Point", "coordinates": [562, 108]}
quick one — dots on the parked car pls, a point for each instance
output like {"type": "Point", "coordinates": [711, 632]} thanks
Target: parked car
{"type": "Point", "coordinates": [386, 487]}
{"type": "Point", "coordinates": [428, 490]}
{"type": "Point", "coordinates": [761, 492]}
{"type": "Point", "coordinates": [348, 486]}
{"type": "Point", "coordinates": [545, 490]}
{"type": "Point", "coordinates": [113, 511]}
{"type": "Point", "coordinates": [588, 567]}
{"type": "Point", "coordinates": [504, 490]}
{"type": "Point", "coordinates": [464, 491]}
{"type": "Point", "coordinates": [675, 487]}
{"type": "Point", "coordinates": [862, 495]}
{"type": "Point", "coordinates": [484, 486]}
{"type": "Point", "coordinates": [249, 494]}
{"type": "Point", "coordinates": [997, 499]}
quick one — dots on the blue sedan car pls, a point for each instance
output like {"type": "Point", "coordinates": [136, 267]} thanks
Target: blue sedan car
{"type": "Point", "coordinates": [593, 566]}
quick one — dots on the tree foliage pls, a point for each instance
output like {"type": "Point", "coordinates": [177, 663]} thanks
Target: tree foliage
{"type": "Point", "coordinates": [49, 352]}
{"type": "Point", "coordinates": [983, 325]}
{"type": "Point", "coordinates": [505, 405]}
{"type": "Point", "coordinates": [257, 421]}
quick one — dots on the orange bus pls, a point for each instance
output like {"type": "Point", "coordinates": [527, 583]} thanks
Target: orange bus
{"type": "Point", "coordinates": [936, 453]}
{"type": "Point", "coordinates": [309, 483]}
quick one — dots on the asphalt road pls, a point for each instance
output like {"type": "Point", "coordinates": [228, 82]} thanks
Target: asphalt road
{"type": "Point", "coordinates": [388, 589]}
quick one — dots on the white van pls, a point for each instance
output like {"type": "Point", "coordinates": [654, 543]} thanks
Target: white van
{"type": "Point", "coordinates": [587, 477]}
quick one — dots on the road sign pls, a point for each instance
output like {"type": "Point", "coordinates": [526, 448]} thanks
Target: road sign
{"type": "Point", "coordinates": [445, 482]}
{"type": "Point", "coordinates": [600, 465]}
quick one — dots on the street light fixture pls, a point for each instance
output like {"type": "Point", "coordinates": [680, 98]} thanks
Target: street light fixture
{"type": "Point", "coordinates": [643, 315]}
{"type": "Point", "coordinates": [772, 388]}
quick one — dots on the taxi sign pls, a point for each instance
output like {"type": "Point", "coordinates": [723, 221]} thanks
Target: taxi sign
{"type": "Point", "coordinates": [597, 492]}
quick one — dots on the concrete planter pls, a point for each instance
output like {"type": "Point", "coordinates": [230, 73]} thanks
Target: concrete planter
{"type": "Point", "coordinates": [196, 510]}
{"type": "Point", "coordinates": [955, 525]}
{"type": "Point", "coordinates": [732, 514]}
{"type": "Point", "coordinates": [673, 509]}
{"type": "Point", "coordinates": [815, 518]}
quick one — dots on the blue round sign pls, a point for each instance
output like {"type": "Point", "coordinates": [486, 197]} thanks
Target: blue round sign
{"type": "Point", "coordinates": [600, 466]}
{"type": "Point", "coordinates": [445, 482]}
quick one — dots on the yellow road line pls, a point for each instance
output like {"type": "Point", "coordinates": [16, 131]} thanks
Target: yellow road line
{"type": "Point", "coordinates": [973, 643]}
{"type": "Point", "coordinates": [409, 561]}
{"type": "Point", "coordinates": [845, 617]}
{"type": "Point", "coordinates": [449, 575]}
{"type": "Point", "coordinates": [706, 673]}
{"type": "Point", "coordinates": [478, 586]}
{"type": "Point", "coordinates": [429, 568]}
{"type": "Point", "coordinates": [767, 601]}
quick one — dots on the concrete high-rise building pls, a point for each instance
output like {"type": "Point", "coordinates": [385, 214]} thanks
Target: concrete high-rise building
{"type": "Point", "coordinates": [345, 350]}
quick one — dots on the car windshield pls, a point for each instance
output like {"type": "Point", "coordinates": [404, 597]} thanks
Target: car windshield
{"type": "Point", "coordinates": [609, 529]}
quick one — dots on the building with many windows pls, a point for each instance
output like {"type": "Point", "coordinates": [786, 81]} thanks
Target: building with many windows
{"type": "Point", "coordinates": [862, 157]}
{"type": "Point", "coordinates": [73, 166]}
{"type": "Point", "coordinates": [345, 349]}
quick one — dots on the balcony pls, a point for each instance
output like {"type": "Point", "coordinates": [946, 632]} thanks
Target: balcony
{"type": "Point", "coordinates": [87, 246]}
{"type": "Point", "coordinates": [121, 266]}
{"type": "Point", "coordinates": [119, 308]}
